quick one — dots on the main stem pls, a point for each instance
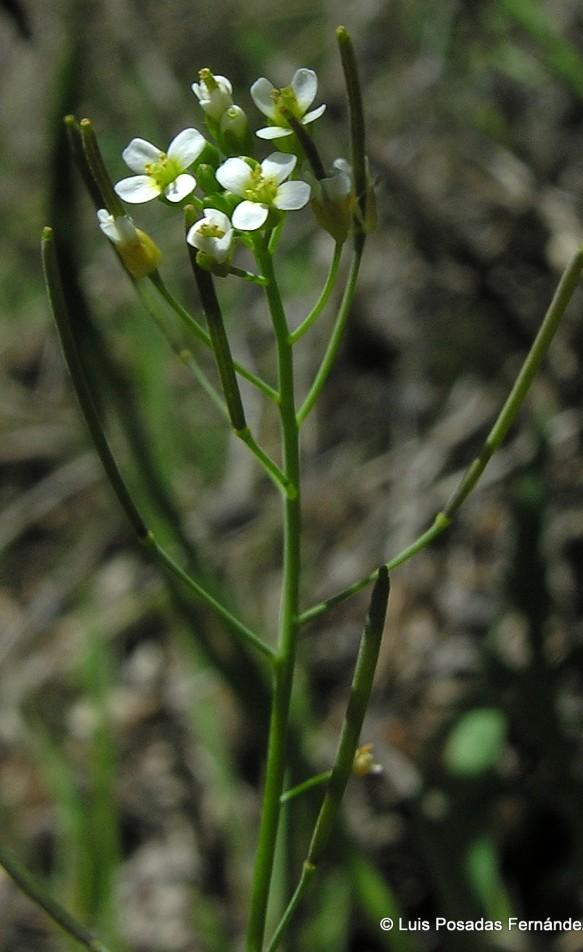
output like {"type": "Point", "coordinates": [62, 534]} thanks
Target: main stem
{"type": "Point", "coordinates": [284, 662]}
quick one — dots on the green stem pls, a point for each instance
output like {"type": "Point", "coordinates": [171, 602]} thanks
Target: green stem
{"type": "Point", "coordinates": [274, 237]}
{"type": "Point", "coordinates": [563, 294]}
{"type": "Point", "coordinates": [439, 525]}
{"type": "Point", "coordinates": [561, 298]}
{"type": "Point", "coordinates": [322, 301]}
{"type": "Point", "coordinates": [220, 342]}
{"type": "Point", "coordinates": [248, 276]}
{"type": "Point", "coordinates": [335, 339]}
{"type": "Point", "coordinates": [286, 649]}
{"type": "Point", "coordinates": [87, 404]}
{"type": "Point", "coordinates": [167, 562]}
{"type": "Point", "coordinates": [183, 353]}
{"type": "Point", "coordinates": [225, 366]}
{"type": "Point", "coordinates": [306, 142]}
{"type": "Point", "coordinates": [78, 152]}
{"type": "Point", "coordinates": [273, 471]}
{"type": "Point", "coordinates": [79, 378]}
{"type": "Point", "coordinates": [309, 784]}
{"type": "Point", "coordinates": [357, 132]}
{"type": "Point", "coordinates": [360, 691]}
{"type": "Point", "coordinates": [199, 332]}
{"type": "Point", "coordinates": [307, 873]}
{"type": "Point", "coordinates": [38, 894]}
{"type": "Point", "coordinates": [98, 170]}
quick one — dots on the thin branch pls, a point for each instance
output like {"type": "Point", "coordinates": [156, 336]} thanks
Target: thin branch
{"type": "Point", "coordinates": [41, 897]}
{"type": "Point", "coordinates": [566, 288]}
{"type": "Point", "coordinates": [362, 682]}
{"type": "Point", "coordinates": [322, 301]}
{"type": "Point", "coordinates": [88, 408]}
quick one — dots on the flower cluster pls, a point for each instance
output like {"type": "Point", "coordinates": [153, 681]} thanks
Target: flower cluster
{"type": "Point", "coordinates": [235, 192]}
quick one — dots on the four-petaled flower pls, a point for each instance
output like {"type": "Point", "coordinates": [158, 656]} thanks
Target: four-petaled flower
{"type": "Point", "coordinates": [213, 93]}
{"type": "Point", "coordinates": [261, 188]}
{"type": "Point", "coordinates": [213, 235]}
{"type": "Point", "coordinates": [160, 173]}
{"type": "Point", "coordinates": [295, 98]}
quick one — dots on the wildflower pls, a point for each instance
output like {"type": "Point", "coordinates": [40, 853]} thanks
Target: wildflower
{"type": "Point", "coordinates": [160, 173]}
{"type": "Point", "coordinates": [262, 187]}
{"type": "Point", "coordinates": [364, 762]}
{"type": "Point", "coordinates": [213, 93]}
{"type": "Point", "coordinates": [136, 249]}
{"type": "Point", "coordinates": [333, 200]}
{"type": "Point", "coordinates": [295, 98]}
{"type": "Point", "coordinates": [213, 236]}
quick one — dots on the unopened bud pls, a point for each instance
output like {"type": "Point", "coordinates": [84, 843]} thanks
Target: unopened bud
{"type": "Point", "coordinates": [213, 93]}
{"type": "Point", "coordinates": [333, 201]}
{"type": "Point", "coordinates": [234, 131]}
{"type": "Point", "coordinates": [139, 254]}
{"type": "Point", "coordinates": [364, 762]}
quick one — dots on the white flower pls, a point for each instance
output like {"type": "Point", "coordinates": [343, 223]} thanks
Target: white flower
{"type": "Point", "coordinates": [338, 186]}
{"type": "Point", "coordinates": [136, 249]}
{"type": "Point", "coordinates": [296, 98]}
{"type": "Point", "coordinates": [213, 93]}
{"type": "Point", "coordinates": [261, 188]}
{"type": "Point", "coordinates": [213, 235]}
{"type": "Point", "coordinates": [160, 173]}
{"type": "Point", "coordinates": [119, 230]}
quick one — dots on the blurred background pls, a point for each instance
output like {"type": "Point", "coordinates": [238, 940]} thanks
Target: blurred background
{"type": "Point", "coordinates": [131, 729]}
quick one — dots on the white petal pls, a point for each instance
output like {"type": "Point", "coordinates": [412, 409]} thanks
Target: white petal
{"type": "Point", "coordinates": [305, 86]}
{"type": "Point", "coordinates": [337, 187]}
{"type": "Point", "coordinates": [137, 189]}
{"type": "Point", "coordinates": [215, 217]}
{"type": "Point", "coordinates": [248, 216]}
{"type": "Point", "coordinates": [180, 187]}
{"type": "Point", "coordinates": [140, 153]}
{"type": "Point", "coordinates": [194, 237]}
{"type": "Point", "coordinates": [192, 234]}
{"type": "Point", "coordinates": [292, 195]}
{"type": "Point", "coordinates": [234, 174]}
{"type": "Point", "coordinates": [224, 83]}
{"type": "Point", "coordinates": [186, 147]}
{"type": "Point", "coordinates": [222, 246]}
{"type": "Point", "coordinates": [343, 166]}
{"type": "Point", "coordinates": [261, 91]}
{"type": "Point", "coordinates": [199, 91]}
{"type": "Point", "coordinates": [278, 166]}
{"type": "Point", "coordinates": [314, 114]}
{"type": "Point", "coordinates": [107, 224]}
{"type": "Point", "coordinates": [273, 132]}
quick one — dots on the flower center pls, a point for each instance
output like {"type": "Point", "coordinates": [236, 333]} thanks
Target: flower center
{"type": "Point", "coordinates": [207, 79]}
{"type": "Point", "coordinates": [261, 188]}
{"type": "Point", "coordinates": [209, 229]}
{"type": "Point", "coordinates": [285, 101]}
{"type": "Point", "coordinates": [164, 171]}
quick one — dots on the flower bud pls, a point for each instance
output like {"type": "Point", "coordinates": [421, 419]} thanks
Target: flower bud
{"type": "Point", "coordinates": [333, 201]}
{"type": "Point", "coordinates": [139, 254]}
{"type": "Point", "coordinates": [364, 762]}
{"type": "Point", "coordinates": [234, 131]}
{"type": "Point", "coordinates": [213, 93]}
